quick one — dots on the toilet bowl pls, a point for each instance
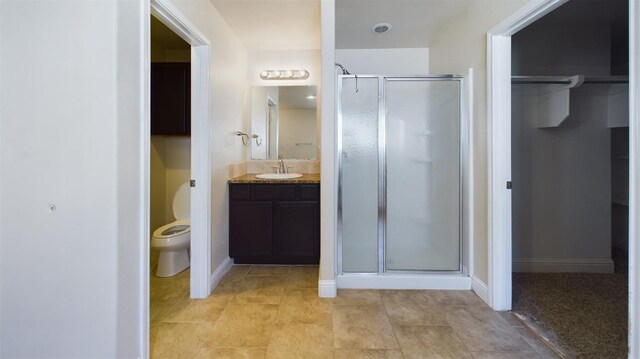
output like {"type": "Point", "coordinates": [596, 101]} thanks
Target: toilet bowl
{"type": "Point", "coordinates": [172, 240]}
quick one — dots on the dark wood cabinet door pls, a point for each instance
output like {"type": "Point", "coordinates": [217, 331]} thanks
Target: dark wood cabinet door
{"type": "Point", "coordinates": [297, 230]}
{"type": "Point", "coordinates": [274, 223]}
{"type": "Point", "coordinates": [251, 230]}
{"type": "Point", "coordinates": [170, 98]}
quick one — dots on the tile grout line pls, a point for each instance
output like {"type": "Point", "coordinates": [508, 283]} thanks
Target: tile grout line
{"type": "Point", "coordinates": [275, 320]}
{"type": "Point", "coordinates": [466, 347]}
{"type": "Point", "coordinates": [391, 324]}
{"type": "Point", "coordinates": [215, 323]}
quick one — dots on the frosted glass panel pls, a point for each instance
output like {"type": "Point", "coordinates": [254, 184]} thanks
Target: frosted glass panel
{"type": "Point", "coordinates": [359, 179]}
{"type": "Point", "coordinates": [423, 175]}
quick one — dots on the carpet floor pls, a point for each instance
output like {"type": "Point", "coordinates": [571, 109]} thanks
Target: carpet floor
{"type": "Point", "coordinates": [584, 314]}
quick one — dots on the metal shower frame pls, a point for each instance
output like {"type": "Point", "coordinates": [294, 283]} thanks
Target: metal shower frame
{"type": "Point", "coordinates": [382, 169]}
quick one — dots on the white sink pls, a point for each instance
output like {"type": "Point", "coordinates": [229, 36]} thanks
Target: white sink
{"type": "Point", "coordinates": [281, 176]}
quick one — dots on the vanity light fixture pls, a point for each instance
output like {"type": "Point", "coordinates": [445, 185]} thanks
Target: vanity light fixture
{"type": "Point", "coordinates": [310, 97]}
{"type": "Point", "coordinates": [284, 75]}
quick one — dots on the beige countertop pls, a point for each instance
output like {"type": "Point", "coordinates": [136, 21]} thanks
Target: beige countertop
{"type": "Point", "coordinates": [251, 178]}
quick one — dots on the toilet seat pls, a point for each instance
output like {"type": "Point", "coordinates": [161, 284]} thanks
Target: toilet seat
{"type": "Point", "coordinates": [181, 211]}
{"type": "Point", "coordinates": [172, 240]}
{"type": "Point", "coordinates": [166, 232]}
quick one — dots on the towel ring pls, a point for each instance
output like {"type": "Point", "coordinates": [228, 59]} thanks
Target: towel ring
{"type": "Point", "coordinates": [244, 137]}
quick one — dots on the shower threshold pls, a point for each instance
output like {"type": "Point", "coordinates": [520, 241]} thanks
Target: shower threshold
{"type": "Point", "coordinates": [439, 281]}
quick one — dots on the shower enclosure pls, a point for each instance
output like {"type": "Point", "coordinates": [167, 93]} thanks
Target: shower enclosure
{"type": "Point", "coordinates": [400, 175]}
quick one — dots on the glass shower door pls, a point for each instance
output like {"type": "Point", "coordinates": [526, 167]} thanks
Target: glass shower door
{"type": "Point", "coordinates": [358, 144]}
{"type": "Point", "coordinates": [422, 174]}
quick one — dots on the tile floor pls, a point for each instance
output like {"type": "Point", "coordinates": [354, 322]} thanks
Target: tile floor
{"type": "Point", "coordinates": [274, 312]}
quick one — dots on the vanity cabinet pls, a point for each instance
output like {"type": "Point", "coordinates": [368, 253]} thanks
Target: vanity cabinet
{"type": "Point", "coordinates": [171, 98]}
{"type": "Point", "coordinates": [274, 223]}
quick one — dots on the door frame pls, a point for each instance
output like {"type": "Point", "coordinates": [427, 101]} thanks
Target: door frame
{"type": "Point", "coordinates": [499, 156]}
{"type": "Point", "coordinates": [200, 283]}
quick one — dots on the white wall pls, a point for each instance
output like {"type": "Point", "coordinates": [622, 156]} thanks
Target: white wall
{"type": "Point", "coordinates": [70, 136]}
{"type": "Point", "coordinates": [297, 133]}
{"type": "Point", "coordinates": [461, 45]}
{"type": "Point", "coordinates": [228, 106]}
{"type": "Point", "coordinates": [414, 61]}
{"type": "Point", "coordinates": [327, 287]}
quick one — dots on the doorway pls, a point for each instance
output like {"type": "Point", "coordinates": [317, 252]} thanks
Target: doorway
{"type": "Point", "coordinates": [200, 162]}
{"type": "Point", "coordinates": [200, 203]}
{"type": "Point", "coordinates": [170, 145]}
{"type": "Point", "coordinates": [570, 176]}
{"type": "Point", "coordinates": [500, 197]}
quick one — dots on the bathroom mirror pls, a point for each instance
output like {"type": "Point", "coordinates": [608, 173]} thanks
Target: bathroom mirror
{"type": "Point", "coordinates": [284, 122]}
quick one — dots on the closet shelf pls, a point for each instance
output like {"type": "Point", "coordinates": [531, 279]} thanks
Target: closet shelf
{"type": "Point", "coordinates": [567, 80]}
{"type": "Point", "coordinates": [552, 97]}
{"type": "Point", "coordinates": [620, 157]}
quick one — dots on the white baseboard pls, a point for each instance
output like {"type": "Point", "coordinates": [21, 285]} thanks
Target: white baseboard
{"type": "Point", "coordinates": [405, 281]}
{"type": "Point", "coordinates": [219, 273]}
{"type": "Point", "coordinates": [327, 289]}
{"type": "Point", "coordinates": [480, 288]}
{"type": "Point", "coordinates": [544, 265]}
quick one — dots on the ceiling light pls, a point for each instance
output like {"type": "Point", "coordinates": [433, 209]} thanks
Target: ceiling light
{"type": "Point", "coordinates": [381, 28]}
{"type": "Point", "coordinates": [284, 75]}
{"type": "Point", "coordinates": [311, 97]}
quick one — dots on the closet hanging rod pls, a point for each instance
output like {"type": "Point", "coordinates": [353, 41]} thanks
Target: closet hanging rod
{"type": "Point", "coordinates": [563, 80]}
{"type": "Point", "coordinates": [606, 79]}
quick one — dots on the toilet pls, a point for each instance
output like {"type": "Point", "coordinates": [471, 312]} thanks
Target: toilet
{"type": "Point", "coordinates": [172, 240]}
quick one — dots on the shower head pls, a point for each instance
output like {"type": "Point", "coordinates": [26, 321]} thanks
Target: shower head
{"type": "Point", "coordinates": [344, 71]}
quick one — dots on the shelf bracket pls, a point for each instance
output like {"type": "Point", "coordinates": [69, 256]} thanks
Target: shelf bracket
{"type": "Point", "coordinates": [552, 98]}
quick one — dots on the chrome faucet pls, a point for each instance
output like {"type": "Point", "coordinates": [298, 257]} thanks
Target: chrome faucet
{"type": "Point", "coordinates": [281, 167]}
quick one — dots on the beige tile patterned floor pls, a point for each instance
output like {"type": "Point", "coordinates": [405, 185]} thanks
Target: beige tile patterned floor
{"type": "Point", "coordinates": [274, 312]}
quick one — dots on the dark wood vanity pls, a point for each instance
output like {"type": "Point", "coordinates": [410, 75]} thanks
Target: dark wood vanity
{"type": "Point", "coordinates": [274, 222]}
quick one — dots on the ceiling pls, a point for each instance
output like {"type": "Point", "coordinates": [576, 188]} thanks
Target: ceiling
{"type": "Point", "coordinates": [295, 24]}
{"type": "Point", "coordinates": [415, 23]}
{"type": "Point", "coordinates": [295, 97]}
{"type": "Point", "coordinates": [163, 36]}
{"type": "Point", "coordinates": [273, 24]}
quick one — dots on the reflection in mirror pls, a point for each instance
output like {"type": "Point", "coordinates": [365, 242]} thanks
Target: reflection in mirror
{"type": "Point", "coordinates": [272, 129]}
{"type": "Point", "coordinates": [285, 120]}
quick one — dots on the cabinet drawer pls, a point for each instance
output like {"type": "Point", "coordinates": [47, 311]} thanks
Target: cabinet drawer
{"type": "Point", "coordinates": [279, 192]}
{"type": "Point", "coordinates": [309, 192]}
{"type": "Point", "coordinates": [240, 191]}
